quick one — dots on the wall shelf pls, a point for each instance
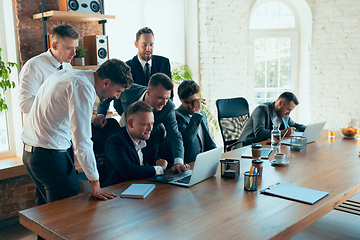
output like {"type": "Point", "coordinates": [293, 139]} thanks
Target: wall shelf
{"type": "Point", "coordinates": [73, 16]}
{"type": "Point", "coordinates": [87, 67]}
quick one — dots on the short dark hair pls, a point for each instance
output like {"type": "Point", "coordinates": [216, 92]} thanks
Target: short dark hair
{"type": "Point", "coordinates": [161, 78]}
{"type": "Point", "coordinates": [142, 31]}
{"type": "Point", "coordinates": [117, 71]}
{"type": "Point", "coordinates": [289, 96]}
{"type": "Point", "coordinates": [188, 88]}
{"type": "Point", "coordinates": [62, 31]}
{"type": "Point", "coordinates": [139, 106]}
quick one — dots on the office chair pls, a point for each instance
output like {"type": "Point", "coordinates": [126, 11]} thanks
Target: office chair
{"type": "Point", "coordinates": [233, 114]}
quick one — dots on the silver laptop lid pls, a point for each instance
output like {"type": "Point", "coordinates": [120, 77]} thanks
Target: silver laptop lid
{"type": "Point", "coordinates": [206, 165]}
{"type": "Point", "coordinates": [312, 131]}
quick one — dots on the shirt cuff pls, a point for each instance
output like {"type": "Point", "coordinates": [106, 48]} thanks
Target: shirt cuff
{"type": "Point", "coordinates": [178, 160]}
{"type": "Point", "coordinates": [100, 114]}
{"type": "Point", "coordinates": [159, 170]}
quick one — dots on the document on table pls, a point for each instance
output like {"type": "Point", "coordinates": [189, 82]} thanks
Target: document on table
{"type": "Point", "coordinates": [301, 194]}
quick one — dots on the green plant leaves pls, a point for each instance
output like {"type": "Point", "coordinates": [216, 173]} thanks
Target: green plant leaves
{"type": "Point", "coordinates": [5, 83]}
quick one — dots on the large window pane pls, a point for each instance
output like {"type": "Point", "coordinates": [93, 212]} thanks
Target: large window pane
{"type": "Point", "coordinates": [272, 15]}
{"type": "Point", "coordinates": [285, 72]}
{"type": "Point", "coordinates": [259, 74]}
{"type": "Point", "coordinates": [272, 67]}
{"type": "Point", "coordinates": [272, 73]}
{"type": "Point", "coordinates": [4, 137]}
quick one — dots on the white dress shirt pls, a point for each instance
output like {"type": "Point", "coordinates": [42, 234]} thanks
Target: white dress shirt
{"type": "Point", "coordinates": [33, 74]}
{"type": "Point", "coordinates": [61, 112]}
{"type": "Point", "coordinates": [138, 148]}
{"type": "Point", "coordinates": [142, 62]}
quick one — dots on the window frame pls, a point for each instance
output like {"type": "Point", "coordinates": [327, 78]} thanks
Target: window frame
{"type": "Point", "coordinates": [292, 33]}
{"type": "Point", "coordinates": [10, 54]}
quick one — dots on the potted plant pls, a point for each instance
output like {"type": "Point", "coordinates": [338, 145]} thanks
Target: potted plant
{"type": "Point", "coordinates": [79, 58]}
{"type": "Point", "coordinates": [182, 72]}
{"type": "Point", "coordinates": [5, 82]}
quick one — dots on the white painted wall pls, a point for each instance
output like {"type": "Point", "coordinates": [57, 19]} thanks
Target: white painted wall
{"type": "Point", "coordinates": [329, 75]}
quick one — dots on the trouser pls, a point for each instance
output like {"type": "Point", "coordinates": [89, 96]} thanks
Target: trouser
{"type": "Point", "coordinates": [53, 173]}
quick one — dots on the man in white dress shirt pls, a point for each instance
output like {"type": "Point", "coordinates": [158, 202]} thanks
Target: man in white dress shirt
{"type": "Point", "coordinates": [61, 112]}
{"type": "Point", "coordinates": [65, 39]}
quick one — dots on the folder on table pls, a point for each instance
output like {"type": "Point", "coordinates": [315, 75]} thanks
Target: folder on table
{"type": "Point", "coordinates": [301, 194]}
{"type": "Point", "coordinates": [137, 190]}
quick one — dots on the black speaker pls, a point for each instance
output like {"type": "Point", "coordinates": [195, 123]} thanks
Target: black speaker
{"type": "Point", "coordinates": [82, 6]}
{"type": "Point", "coordinates": [97, 46]}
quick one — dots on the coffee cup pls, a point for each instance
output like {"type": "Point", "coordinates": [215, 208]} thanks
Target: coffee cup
{"type": "Point", "coordinates": [280, 158]}
{"type": "Point", "coordinates": [256, 150]}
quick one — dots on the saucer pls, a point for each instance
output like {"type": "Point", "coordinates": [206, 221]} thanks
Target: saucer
{"type": "Point", "coordinates": [273, 162]}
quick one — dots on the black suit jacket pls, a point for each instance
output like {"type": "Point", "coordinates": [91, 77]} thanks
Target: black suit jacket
{"type": "Point", "coordinates": [189, 127]}
{"type": "Point", "coordinates": [259, 126]}
{"type": "Point", "coordinates": [121, 161]}
{"type": "Point", "coordinates": [159, 65]}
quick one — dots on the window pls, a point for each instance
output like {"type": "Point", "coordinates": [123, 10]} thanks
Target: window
{"type": "Point", "coordinates": [273, 54]}
{"type": "Point", "coordinates": [10, 121]}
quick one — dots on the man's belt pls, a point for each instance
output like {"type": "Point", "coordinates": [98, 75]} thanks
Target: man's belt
{"type": "Point", "coordinates": [32, 149]}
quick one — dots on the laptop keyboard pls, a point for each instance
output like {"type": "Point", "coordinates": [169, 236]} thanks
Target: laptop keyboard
{"type": "Point", "coordinates": [266, 152]}
{"type": "Point", "coordinates": [184, 180]}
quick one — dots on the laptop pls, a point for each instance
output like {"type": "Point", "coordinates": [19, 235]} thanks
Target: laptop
{"type": "Point", "coordinates": [205, 166]}
{"type": "Point", "coordinates": [265, 153]}
{"type": "Point", "coordinates": [312, 133]}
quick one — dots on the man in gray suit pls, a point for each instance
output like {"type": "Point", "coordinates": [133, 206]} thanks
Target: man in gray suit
{"type": "Point", "coordinates": [259, 126]}
{"type": "Point", "coordinates": [192, 121]}
{"type": "Point", "coordinates": [157, 94]}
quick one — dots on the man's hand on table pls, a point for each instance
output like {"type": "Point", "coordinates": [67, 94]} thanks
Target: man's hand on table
{"type": "Point", "coordinates": [98, 193]}
{"type": "Point", "coordinates": [178, 167]}
{"type": "Point", "coordinates": [162, 163]}
{"type": "Point", "coordinates": [99, 121]}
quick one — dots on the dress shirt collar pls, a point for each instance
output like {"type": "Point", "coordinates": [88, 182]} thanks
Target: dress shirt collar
{"type": "Point", "coordinates": [276, 120]}
{"type": "Point", "coordinates": [137, 146]}
{"type": "Point", "coordinates": [142, 97]}
{"type": "Point", "coordinates": [142, 62]}
{"type": "Point", "coordinates": [52, 59]}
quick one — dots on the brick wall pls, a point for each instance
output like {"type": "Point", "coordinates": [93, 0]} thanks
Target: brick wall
{"type": "Point", "coordinates": [329, 75]}
{"type": "Point", "coordinates": [30, 31]}
{"type": "Point", "coordinates": [16, 194]}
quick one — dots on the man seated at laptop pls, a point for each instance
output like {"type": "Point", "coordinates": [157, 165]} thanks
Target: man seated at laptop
{"type": "Point", "coordinates": [192, 121]}
{"type": "Point", "coordinates": [259, 126]}
{"type": "Point", "coordinates": [127, 155]}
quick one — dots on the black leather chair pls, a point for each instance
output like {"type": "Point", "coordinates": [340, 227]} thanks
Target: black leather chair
{"type": "Point", "coordinates": [233, 114]}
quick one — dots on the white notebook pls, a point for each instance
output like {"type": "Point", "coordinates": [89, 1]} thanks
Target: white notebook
{"type": "Point", "coordinates": [137, 190]}
{"type": "Point", "coordinates": [296, 193]}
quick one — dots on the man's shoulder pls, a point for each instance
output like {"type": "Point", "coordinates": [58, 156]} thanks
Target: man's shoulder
{"type": "Point", "coordinates": [131, 61]}
{"type": "Point", "coordinates": [37, 60]}
{"type": "Point", "coordinates": [118, 136]}
{"type": "Point", "coordinates": [161, 58]}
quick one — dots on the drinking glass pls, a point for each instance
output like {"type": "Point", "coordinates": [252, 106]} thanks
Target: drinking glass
{"type": "Point", "coordinates": [331, 129]}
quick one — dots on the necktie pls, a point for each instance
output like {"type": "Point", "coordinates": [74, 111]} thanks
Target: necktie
{"type": "Point", "coordinates": [147, 71]}
{"type": "Point", "coordinates": [60, 67]}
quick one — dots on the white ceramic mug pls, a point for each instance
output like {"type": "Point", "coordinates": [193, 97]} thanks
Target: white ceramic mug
{"type": "Point", "coordinates": [280, 158]}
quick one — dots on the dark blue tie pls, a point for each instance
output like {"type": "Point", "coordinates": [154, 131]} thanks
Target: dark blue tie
{"type": "Point", "coordinates": [147, 71]}
{"type": "Point", "coordinates": [60, 67]}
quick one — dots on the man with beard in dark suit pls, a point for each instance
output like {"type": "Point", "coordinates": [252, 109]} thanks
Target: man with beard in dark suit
{"type": "Point", "coordinates": [143, 66]}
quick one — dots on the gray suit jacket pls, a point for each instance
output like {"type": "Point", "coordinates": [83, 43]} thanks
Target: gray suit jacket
{"type": "Point", "coordinates": [259, 126]}
{"type": "Point", "coordinates": [189, 127]}
{"type": "Point", "coordinates": [166, 116]}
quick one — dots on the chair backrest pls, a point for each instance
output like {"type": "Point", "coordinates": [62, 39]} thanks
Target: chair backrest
{"type": "Point", "coordinates": [233, 114]}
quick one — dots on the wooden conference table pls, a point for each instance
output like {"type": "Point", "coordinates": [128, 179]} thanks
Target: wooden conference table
{"type": "Point", "coordinates": [217, 208]}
